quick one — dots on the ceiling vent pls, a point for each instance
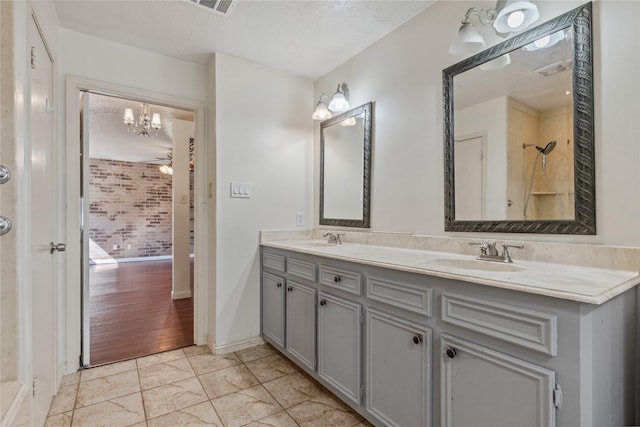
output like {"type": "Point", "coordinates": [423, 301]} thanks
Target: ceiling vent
{"type": "Point", "coordinates": [555, 68]}
{"type": "Point", "coordinates": [221, 7]}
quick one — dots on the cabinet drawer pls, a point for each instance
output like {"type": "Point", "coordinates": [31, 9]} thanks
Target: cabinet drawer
{"type": "Point", "coordinates": [273, 261]}
{"type": "Point", "coordinates": [303, 269]}
{"type": "Point", "coordinates": [348, 281]}
{"type": "Point", "coordinates": [398, 294]}
{"type": "Point", "coordinates": [534, 330]}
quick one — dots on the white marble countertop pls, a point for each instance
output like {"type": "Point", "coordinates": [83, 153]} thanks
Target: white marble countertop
{"type": "Point", "coordinates": [583, 284]}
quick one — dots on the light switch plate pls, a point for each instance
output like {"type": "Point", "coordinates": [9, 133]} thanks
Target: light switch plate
{"type": "Point", "coordinates": [240, 190]}
{"type": "Point", "coordinates": [300, 219]}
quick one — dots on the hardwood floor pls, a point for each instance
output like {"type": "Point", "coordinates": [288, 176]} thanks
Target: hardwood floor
{"type": "Point", "coordinates": [132, 313]}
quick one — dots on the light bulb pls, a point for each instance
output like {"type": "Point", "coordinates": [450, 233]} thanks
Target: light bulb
{"type": "Point", "coordinates": [321, 112]}
{"type": "Point", "coordinates": [542, 42]}
{"type": "Point", "coordinates": [339, 103]}
{"type": "Point", "coordinates": [515, 19]}
{"type": "Point", "coordinates": [155, 122]}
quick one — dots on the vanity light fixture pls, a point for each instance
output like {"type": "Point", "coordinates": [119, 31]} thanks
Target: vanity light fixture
{"type": "Point", "coordinates": [146, 124]}
{"type": "Point", "coordinates": [508, 17]}
{"type": "Point", "coordinates": [546, 41]}
{"type": "Point", "coordinates": [338, 103]}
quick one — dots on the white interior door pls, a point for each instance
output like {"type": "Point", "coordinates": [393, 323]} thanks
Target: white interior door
{"type": "Point", "coordinates": [469, 180]}
{"type": "Point", "coordinates": [42, 226]}
{"type": "Point", "coordinates": [84, 218]}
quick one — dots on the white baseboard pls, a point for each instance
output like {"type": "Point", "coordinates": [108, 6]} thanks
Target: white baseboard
{"type": "Point", "coordinates": [136, 259]}
{"type": "Point", "coordinates": [19, 391]}
{"type": "Point", "coordinates": [235, 346]}
{"type": "Point", "coordinates": [181, 294]}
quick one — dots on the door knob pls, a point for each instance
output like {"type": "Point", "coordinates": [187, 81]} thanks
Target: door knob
{"type": "Point", "coordinates": [5, 225]}
{"type": "Point", "coordinates": [60, 247]}
{"type": "Point", "coordinates": [5, 174]}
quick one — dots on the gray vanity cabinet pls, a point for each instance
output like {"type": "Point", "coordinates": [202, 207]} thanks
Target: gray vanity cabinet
{"type": "Point", "coordinates": [339, 345]}
{"type": "Point", "coordinates": [398, 370]}
{"type": "Point", "coordinates": [301, 323]}
{"type": "Point", "coordinates": [273, 308]}
{"type": "Point", "coordinates": [485, 388]}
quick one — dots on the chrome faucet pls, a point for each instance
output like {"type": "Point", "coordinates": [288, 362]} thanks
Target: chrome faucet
{"type": "Point", "coordinates": [488, 251]}
{"type": "Point", "coordinates": [333, 238]}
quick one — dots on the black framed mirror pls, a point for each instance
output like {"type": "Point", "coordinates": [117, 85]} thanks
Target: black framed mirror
{"type": "Point", "coordinates": [345, 168]}
{"type": "Point", "coordinates": [519, 133]}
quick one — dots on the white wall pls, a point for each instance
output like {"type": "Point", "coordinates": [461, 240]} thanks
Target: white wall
{"type": "Point", "coordinates": [402, 74]}
{"type": "Point", "coordinates": [263, 137]}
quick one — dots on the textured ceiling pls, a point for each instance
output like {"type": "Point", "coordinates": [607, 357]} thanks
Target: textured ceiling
{"type": "Point", "coordinates": [307, 38]}
{"type": "Point", "coordinates": [109, 137]}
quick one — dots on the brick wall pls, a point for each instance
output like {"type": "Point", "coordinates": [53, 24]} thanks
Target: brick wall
{"type": "Point", "coordinates": [130, 207]}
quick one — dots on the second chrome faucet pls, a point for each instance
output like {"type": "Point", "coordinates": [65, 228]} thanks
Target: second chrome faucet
{"type": "Point", "coordinates": [488, 251]}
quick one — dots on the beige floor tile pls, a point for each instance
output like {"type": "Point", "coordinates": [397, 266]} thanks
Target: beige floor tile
{"type": "Point", "coordinates": [271, 367]}
{"type": "Point", "coordinates": [70, 379]}
{"type": "Point", "coordinates": [122, 411]}
{"type": "Point", "coordinates": [106, 370]}
{"type": "Point", "coordinates": [227, 381]}
{"type": "Point", "coordinates": [65, 400]}
{"type": "Point", "coordinates": [281, 419]}
{"type": "Point", "coordinates": [322, 411]}
{"type": "Point", "coordinates": [293, 389]}
{"type": "Point", "coordinates": [203, 363]}
{"type": "Point", "coordinates": [59, 420]}
{"type": "Point", "coordinates": [196, 349]}
{"type": "Point", "coordinates": [154, 359]}
{"type": "Point", "coordinates": [245, 406]}
{"type": "Point", "coordinates": [198, 415]}
{"type": "Point", "coordinates": [165, 373]}
{"type": "Point", "coordinates": [107, 388]}
{"type": "Point", "coordinates": [256, 352]}
{"type": "Point", "coordinates": [173, 397]}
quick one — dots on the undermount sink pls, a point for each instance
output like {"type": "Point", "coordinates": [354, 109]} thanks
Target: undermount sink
{"type": "Point", "coordinates": [473, 264]}
{"type": "Point", "coordinates": [317, 244]}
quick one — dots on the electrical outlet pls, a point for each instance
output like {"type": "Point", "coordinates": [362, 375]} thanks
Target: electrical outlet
{"type": "Point", "coordinates": [128, 245]}
{"type": "Point", "coordinates": [300, 219]}
{"type": "Point", "coordinates": [115, 247]}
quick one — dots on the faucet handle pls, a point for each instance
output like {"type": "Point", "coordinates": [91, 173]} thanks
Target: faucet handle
{"type": "Point", "coordinates": [505, 251]}
{"type": "Point", "coordinates": [338, 238]}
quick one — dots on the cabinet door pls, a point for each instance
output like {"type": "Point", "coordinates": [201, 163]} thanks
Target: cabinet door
{"type": "Point", "coordinates": [273, 308]}
{"type": "Point", "coordinates": [398, 355]}
{"type": "Point", "coordinates": [301, 323]}
{"type": "Point", "coordinates": [482, 387]}
{"type": "Point", "coordinates": [339, 345]}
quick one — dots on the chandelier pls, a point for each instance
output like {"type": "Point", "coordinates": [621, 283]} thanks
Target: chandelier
{"type": "Point", "coordinates": [146, 125]}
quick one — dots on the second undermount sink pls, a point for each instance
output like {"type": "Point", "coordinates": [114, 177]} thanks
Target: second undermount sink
{"type": "Point", "coordinates": [474, 264]}
{"type": "Point", "coordinates": [317, 244]}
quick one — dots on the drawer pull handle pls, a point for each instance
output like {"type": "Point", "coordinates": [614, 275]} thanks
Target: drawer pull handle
{"type": "Point", "coordinates": [336, 279]}
{"type": "Point", "coordinates": [323, 302]}
{"type": "Point", "coordinates": [451, 352]}
{"type": "Point", "coordinates": [417, 339]}
{"type": "Point", "coordinates": [278, 285]}
{"type": "Point", "coordinates": [290, 289]}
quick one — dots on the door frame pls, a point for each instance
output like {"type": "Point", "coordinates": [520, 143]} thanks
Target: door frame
{"type": "Point", "coordinates": [74, 86]}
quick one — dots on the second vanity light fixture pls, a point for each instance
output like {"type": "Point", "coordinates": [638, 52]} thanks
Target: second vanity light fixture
{"type": "Point", "coordinates": [509, 16]}
{"type": "Point", "coordinates": [338, 103]}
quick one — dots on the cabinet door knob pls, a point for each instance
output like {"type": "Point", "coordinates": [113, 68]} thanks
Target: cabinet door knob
{"type": "Point", "coordinates": [323, 302]}
{"type": "Point", "coordinates": [417, 339]}
{"type": "Point", "coordinates": [278, 285]}
{"type": "Point", "coordinates": [336, 279]}
{"type": "Point", "coordinates": [290, 289]}
{"type": "Point", "coordinates": [451, 352]}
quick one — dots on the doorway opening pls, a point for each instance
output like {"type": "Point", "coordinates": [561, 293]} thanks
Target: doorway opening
{"type": "Point", "coordinates": [137, 197]}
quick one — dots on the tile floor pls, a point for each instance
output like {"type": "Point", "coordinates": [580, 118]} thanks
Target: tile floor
{"type": "Point", "coordinates": [188, 387]}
